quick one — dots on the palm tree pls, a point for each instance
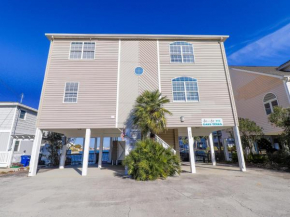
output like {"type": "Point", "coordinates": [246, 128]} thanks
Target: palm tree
{"type": "Point", "coordinates": [149, 114]}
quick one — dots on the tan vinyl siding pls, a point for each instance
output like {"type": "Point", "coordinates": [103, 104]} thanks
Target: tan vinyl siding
{"type": "Point", "coordinates": [209, 71]}
{"type": "Point", "coordinates": [250, 90]}
{"type": "Point", "coordinates": [136, 53]}
{"type": "Point", "coordinates": [97, 87]}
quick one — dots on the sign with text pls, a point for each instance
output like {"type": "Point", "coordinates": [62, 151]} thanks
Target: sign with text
{"type": "Point", "coordinates": [212, 122]}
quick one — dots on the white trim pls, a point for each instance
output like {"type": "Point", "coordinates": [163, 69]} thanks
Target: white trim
{"type": "Point", "coordinates": [17, 104]}
{"type": "Point", "coordinates": [52, 36]}
{"type": "Point", "coordinates": [158, 65]}
{"type": "Point", "coordinates": [65, 89]}
{"type": "Point", "coordinates": [44, 82]}
{"type": "Point", "coordinates": [229, 84]}
{"type": "Point", "coordinates": [118, 81]}
{"type": "Point", "coordinates": [287, 88]}
{"type": "Point", "coordinates": [257, 73]}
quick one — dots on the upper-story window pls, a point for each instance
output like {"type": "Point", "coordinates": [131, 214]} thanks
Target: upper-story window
{"type": "Point", "coordinates": [71, 92]}
{"type": "Point", "coordinates": [22, 114]}
{"type": "Point", "coordinates": [82, 50]}
{"type": "Point", "coordinates": [185, 89]}
{"type": "Point", "coordinates": [181, 52]}
{"type": "Point", "coordinates": [270, 101]}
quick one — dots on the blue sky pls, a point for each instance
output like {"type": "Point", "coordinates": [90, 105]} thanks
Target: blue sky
{"type": "Point", "coordinates": [259, 31]}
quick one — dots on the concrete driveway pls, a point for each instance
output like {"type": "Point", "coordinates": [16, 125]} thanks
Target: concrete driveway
{"type": "Point", "coordinates": [213, 191]}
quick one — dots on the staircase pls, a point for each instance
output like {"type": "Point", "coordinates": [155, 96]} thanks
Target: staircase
{"type": "Point", "coordinates": [164, 144]}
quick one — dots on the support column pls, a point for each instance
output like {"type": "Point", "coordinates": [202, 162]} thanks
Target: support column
{"type": "Point", "coordinates": [84, 141]}
{"type": "Point", "coordinates": [101, 152]}
{"type": "Point", "coordinates": [35, 153]}
{"type": "Point", "coordinates": [63, 153]}
{"type": "Point", "coordinates": [86, 152]}
{"type": "Point", "coordinates": [210, 139]}
{"type": "Point", "coordinates": [226, 151]}
{"type": "Point", "coordinates": [110, 151]}
{"type": "Point", "coordinates": [95, 150]}
{"type": "Point", "coordinates": [127, 145]}
{"type": "Point", "coordinates": [191, 151]}
{"type": "Point", "coordinates": [239, 149]}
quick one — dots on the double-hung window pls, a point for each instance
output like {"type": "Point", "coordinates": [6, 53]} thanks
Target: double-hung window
{"type": "Point", "coordinates": [82, 50]}
{"type": "Point", "coordinates": [71, 92]}
{"type": "Point", "coordinates": [181, 52]}
{"type": "Point", "coordinates": [270, 101]}
{"type": "Point", "coordinates": [185, 89]}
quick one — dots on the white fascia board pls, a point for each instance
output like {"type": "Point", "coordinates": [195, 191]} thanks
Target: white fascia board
{"type": "Point", "coordinates": [52, 36]}
{"type": "Point", "coordinates": [17, 104]}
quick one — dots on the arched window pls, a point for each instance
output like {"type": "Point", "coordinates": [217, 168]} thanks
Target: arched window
{"type": "Point", "coordinates": [270, 101]}
{"type": "Point", "coordinates": [181, 52]}
{"type": "Point", "coordinates": [185, 89]}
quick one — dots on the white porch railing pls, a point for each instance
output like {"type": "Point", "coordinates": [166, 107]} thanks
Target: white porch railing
{"type": "Point", "coordinates": [164, 144]}
{"type": "Point", "coordinates": [4, 158]}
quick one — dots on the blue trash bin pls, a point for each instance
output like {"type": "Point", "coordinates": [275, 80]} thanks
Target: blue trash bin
{"type": "Point", "coordinates": [25, 159]}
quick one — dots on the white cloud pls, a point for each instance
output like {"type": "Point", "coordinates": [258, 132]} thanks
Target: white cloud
{"type": "Point", "coordinates": [272, 49]}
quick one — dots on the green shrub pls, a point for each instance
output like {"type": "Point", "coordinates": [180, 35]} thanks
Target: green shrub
{"type": "Point", "coordinates": [150, 161]}
{"type": "Point", "coordinates": [279, 157]}
{"type": "Point", "coordinates": [257, 158]}
{"type": "Point", "coordinates": [288, 162]}
{"type": "Point", "coordinates": [234, 157]}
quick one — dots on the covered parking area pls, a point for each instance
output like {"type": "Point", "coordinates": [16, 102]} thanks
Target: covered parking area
{"type": "Point", "coordinates": [130, 136]}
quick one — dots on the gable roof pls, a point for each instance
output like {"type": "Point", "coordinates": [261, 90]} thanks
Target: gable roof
{"type": "Point", "coordinates": [267, 70]}
{"type": "Point", "coordinates": [284, 65]}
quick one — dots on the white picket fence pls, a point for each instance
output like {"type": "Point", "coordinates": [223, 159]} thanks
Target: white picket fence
{"type": "Point", "coordinates": [4, 158]}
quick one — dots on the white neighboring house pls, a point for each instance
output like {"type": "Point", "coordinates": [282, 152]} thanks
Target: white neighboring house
{"type": "Point", "coordinates": [17, 130]}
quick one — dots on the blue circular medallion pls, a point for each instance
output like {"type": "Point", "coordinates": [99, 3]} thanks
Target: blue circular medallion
{"type": "Point", "coordinates": [139, 71]}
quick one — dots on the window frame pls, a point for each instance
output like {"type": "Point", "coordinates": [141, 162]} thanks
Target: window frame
{"type": "Point", "coordinates": [82, 52]}
{"type": "Point", "coordinates": [181, 50]}
{"type": "Point", "coordinates": [15, 145]}
{"type": "Point", "coordinates": [270, 103]}
{"type": "Point", "coordinates": [65, 90]}
{"type": "Point", "coordinates": [186, 101]}
{"type": "Point", "coordinates": [24, 118]}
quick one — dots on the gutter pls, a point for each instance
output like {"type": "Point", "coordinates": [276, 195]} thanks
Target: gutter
{"type": "Point", "coordinates": [52, 36]}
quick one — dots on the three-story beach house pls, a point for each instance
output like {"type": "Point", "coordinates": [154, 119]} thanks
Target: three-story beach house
{"type": "Point", "coordinates": [92, 81]}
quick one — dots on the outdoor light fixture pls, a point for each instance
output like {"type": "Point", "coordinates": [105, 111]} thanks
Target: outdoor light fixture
{"type": "Point", "coordinates": [181, 119]}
